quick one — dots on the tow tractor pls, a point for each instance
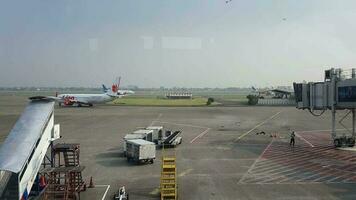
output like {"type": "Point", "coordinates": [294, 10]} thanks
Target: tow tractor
{"type": "Point", "coordinates": [121, 194]}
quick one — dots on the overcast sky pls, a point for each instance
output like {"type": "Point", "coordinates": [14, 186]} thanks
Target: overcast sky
{"type": "Point", "coordinates": [184, 43]}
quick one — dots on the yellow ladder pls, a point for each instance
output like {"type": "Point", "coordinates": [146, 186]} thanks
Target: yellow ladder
{"type": "Point", "coordinates": [169, 178]}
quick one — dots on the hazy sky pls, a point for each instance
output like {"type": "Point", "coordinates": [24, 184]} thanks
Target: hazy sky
{"type": "Point", "coordinates": [184, 43]}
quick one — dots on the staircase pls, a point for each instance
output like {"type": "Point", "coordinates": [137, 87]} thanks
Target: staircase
{"type": "Point", "coordinates": [70, 153]}
{"type": "Point", "coordinates": [168, 179]}
{"type": "Point", "coordinates": [71, 158]}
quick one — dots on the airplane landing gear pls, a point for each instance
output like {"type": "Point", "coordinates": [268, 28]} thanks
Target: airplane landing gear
{"type": "Point", "coordinates": [344, 141]}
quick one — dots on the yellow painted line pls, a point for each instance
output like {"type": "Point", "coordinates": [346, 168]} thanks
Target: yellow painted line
{"type": "Point", "coordinates": [258, 125]}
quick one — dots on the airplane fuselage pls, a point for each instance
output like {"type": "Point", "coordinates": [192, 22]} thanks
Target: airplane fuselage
{"type": "Point", "coordinates": [85, 99]}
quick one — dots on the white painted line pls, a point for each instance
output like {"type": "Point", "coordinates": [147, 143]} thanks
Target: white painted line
{"type": "Point", "coordinates": [306, 141]}
{"type": "Point", "coordinates": [177, 124]}
{"type": "Point", "coordinates": [253, 165]}
{"type": "Point", "coordinates": [200, 135]}
{"type": "Point", "coordinates": [258, 125]}
{"type": "Point", "coordinates": [312, 131]}
{"type": "Point", "coordinates": [106, 191]}
{"type": "Point", "coordinates": [153, 122]}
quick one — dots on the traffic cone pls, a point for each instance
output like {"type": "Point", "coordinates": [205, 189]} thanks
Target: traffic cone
{"type": "Point", "coordinates": [42, 182]}
{"type": "Point", "coordinates": [91, 184]}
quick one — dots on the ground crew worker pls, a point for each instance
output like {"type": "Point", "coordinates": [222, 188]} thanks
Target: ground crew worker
{"type": "Point", "coordinates": [292, 139]}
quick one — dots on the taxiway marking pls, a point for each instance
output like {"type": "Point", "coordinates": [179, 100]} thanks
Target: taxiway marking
{"type": "Point", "coordinates": [185, 172]}
{"type": "Point", "coordinates": [254, 164]}
{"type": "Point", "coordinates": [106, 191]}
{"type": "Point", "coordinates": [306, 141]}
{"type": "Point", "coordinates": [200, 135]}
{"type": "Point", "coordinates": [258, 125]}
{"type": "Point", "coordinates": [159, 117]}
{"type": "Point", "coordinates": [177, 124]}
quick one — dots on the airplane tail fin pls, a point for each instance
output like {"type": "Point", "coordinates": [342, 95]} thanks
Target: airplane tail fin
{"type": "Point", "coordinates": [118, 83]}
{"type": "Point", "coordinates": [114, 90]}
{"type": "Point", "coordinates": [105, 89]}
{"type": "Point", "coordinates": [115, 87]}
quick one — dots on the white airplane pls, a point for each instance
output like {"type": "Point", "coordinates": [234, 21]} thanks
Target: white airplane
{"type": "Point", "coordinates": [119, 92]}
{"type": "Point", "coordinates": [87, 99]}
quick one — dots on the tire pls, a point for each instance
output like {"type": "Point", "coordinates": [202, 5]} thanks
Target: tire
{"type": "Point", "coordinates": [337, 143]}
{"type": "Point", "coordinates": [350, 142]}
{"type": "Point", "coordinates": [151, 161]}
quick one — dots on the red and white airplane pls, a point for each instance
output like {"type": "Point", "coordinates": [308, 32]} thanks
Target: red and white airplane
{"type": "Point", "coordinates": [88, 99]}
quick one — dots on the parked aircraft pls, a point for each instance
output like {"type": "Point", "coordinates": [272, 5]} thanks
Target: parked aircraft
{"type": "Point", "coordinates": [87, 99]}
{"type": "Point", "coordinates": [119, 92]}
{"type": "Point", "coordinates": [273, 93]}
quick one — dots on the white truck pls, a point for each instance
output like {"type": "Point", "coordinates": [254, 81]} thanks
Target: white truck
{"type": "Point", "coordinates": [139, 151]}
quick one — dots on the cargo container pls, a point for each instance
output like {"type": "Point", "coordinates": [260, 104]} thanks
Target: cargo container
{"type": "Point", "coordinates": [139, 151]}
{"type": "Point", "coordinates": [148, 134]}
{"type": "Point", "coordinates": [132, 137]}
{"type": "Point", "coordinates": [157, 133]}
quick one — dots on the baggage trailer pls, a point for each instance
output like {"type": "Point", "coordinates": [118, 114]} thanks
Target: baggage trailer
{"type": "Point", "coordinates": [132, 137]}
{"type": "Point", "coordinates": [140, 151]}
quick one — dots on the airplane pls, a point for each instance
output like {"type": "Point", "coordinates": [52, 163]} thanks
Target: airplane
{"type": "Point", "coordinates": [119, 92]}
{"type": "Point", "coordinates": [86, 99]}
{"type": "Point", "coordinates": [274, 93]}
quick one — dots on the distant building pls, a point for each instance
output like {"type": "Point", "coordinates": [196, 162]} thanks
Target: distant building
{"type": "Point", "coordinates": [179, 95]}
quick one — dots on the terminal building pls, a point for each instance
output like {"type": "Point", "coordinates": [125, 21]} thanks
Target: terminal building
{"type": "Point", "coordinates": [179, 95]}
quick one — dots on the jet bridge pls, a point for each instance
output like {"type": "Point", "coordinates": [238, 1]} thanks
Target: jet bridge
{"type": "Point", "coordinates": [337, 92]}
{"type": "Point", "coordinates": [24, 149]}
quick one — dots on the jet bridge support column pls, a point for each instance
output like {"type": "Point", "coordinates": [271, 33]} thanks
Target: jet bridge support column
{"type": "Point", "coordinates": [353, 123]}
{"type": "Point", "coordinates": [333, 97]}
{"type": "Point", "coordinates": [333, 123]}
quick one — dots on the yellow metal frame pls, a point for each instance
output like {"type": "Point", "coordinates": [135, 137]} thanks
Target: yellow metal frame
{"type": "Point", "coordinates": [168, 177]}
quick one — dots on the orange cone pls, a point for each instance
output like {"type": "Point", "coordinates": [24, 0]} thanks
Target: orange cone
{"type": "Point", "coordinates": [91, 184]}
{"type": "Point", "coordinates": [42, 182]}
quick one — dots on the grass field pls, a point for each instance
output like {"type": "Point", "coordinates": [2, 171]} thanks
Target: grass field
{"type": "Point", "coordinates": [151, 101]}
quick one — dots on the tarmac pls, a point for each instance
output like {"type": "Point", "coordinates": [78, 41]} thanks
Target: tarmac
{"type": "Point", "coordinates": [221, 156]}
